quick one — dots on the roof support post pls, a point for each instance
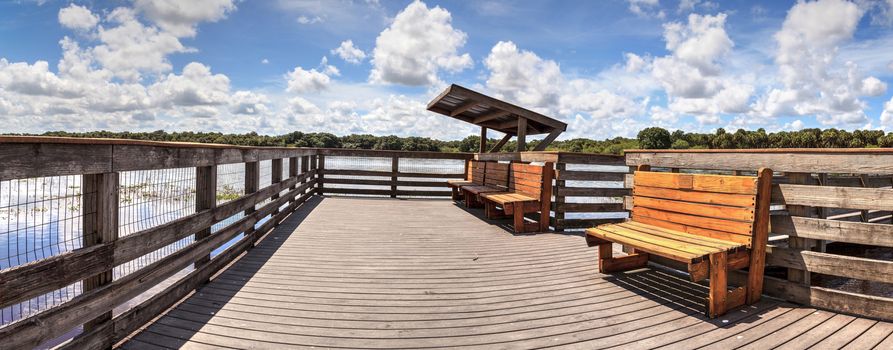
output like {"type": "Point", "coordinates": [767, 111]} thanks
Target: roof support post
{"type": "Point", "coordinates": [498, 146]}
{"type": "Point", "coordinates": [522, 134]}
{"type": "Point", "coordinates": [483, 141]}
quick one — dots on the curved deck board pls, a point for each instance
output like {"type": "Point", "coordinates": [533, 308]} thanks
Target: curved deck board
{"type": "Point", "coordinates": [370, 273]}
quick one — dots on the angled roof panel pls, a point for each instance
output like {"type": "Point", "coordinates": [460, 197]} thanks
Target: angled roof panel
{"type": "Point", "coordinates": [476, 108]}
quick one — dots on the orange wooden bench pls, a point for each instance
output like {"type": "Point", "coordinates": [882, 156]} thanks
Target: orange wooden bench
{"type": "Point", "coordinates": [713, 223]}
{"type": "Point", "coordinates": [529, 191]}
{"type": "Point", "coordinates": [474, 175]}
{"type": "Point", "coordinates": [495, 180]}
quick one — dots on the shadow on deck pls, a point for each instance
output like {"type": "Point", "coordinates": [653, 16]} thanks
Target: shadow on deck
{"type": "Point", "coordinates": [380, 273]}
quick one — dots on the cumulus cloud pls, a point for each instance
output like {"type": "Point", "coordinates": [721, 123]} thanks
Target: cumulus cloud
{"type": "Point", "coordinates": [181, 17]}
{"type": "Point", "coordinates": [691, 74]}
{"type": "Point", "coordinates": [419, 43]}
{"type": "Point", "coordinates": [77, 18]}
{"type": "Point", "coordinates": [102, 85]}
{"type": "Point", "coordinates": [812, 81]}
{"type": "Point", "coordinates": [196, 86]}
{"type": "Point", "coordinates": [348, 52]}
{"type": "Point", "coordinates": [887, 115]}
{"type": "Point", "coordinates": [522, 76]}
{"type": "Point", "coordinates": [248, 102]}
{"type": "Point", "coordinates": [130, 48]}
{"type": "Point", "coordinates": [302, 80]}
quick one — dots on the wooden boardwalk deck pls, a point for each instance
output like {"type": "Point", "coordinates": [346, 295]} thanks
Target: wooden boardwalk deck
{"type": "Point", "coordinates": [369, 273]}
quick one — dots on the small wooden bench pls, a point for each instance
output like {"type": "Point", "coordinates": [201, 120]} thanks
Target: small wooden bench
{"type": "Point", "coordinates": [495, 180]}
{"type": "Point", "coordinates": [713, 223]}
{"type": "Point", "coordinates": [529, 191]}
{"type": "Point", "coordinates": [474, 175]}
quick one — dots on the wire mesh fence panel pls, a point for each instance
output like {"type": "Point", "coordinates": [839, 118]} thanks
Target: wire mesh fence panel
{"type": "Point", "coordinates": [149, 198]}
{"type": "Point", "coordinates": [358, 163]}
{"type": "Point", "coordinates": [40, 218]}
{"type": "Point", "coordinates": [230, 182]}
{"type": "Point", "coordinates": [265, 177]}
{"type": "Point", "coordinates": [428, 166]}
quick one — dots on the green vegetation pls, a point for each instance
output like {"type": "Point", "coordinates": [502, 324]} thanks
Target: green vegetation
{"type": "Point", "coordinates": [649, 138]}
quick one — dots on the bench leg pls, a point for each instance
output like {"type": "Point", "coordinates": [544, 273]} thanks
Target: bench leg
{"type": "Point", "coordinates": [456, 195]}
{"type": "Point", "coordinates": [754, 282]}
{"type": "Point", "coordinates": [518, 220]}
{"type": "Point", "coordinates": [471, 200]}
{"type": "Point", "coordinates": [717, 301]}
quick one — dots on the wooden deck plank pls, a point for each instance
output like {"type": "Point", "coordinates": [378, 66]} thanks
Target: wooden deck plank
{"type": "Point", "coordinates": [443, 277]}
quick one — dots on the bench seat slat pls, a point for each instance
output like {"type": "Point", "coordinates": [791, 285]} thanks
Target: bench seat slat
{"type": "Point", "coordinates": [682, 236]}
{"type": "Point", "coordinates": [675, 250]}
{"type": "Point", "coordinates": [735, 200]}
{"type": "Point", "coordinates": [476, 190]}
{"type": "Point", "coordinates": [458, 183]}
{"type": "Point", "coordinates": [699, 209]}
{"type": "Point", "coordinates": [508, 197]}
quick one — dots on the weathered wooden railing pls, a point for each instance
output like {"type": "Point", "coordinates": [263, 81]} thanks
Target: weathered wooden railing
{"type": "Point", "coordinates": [820, 196]}
{"type": "Point", "coordinates": [389, 173]}
{"type": "Point", "coordinates": [588, 187]}
{"type": "Point", "coordinates": [99, 163]}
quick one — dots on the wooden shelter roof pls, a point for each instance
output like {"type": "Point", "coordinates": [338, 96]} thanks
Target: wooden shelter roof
{"type": "Point", "coordinates": [473, 107]}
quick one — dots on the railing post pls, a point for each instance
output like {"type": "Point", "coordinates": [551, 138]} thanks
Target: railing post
{"type": "Point", "coordinates": [321, 167]}
{"type": "Point", "coordinates": [305, 167]}
{"type": "Point", "coordinates": [252, 181]}
{"type": "Point", "coordinates": [205, 198]}
{"type": "Point", "coordinates": [559, 199]}
{"type": "Point", "coordinates": [275, 177]}
{"type": "Point", "coordinates": [395, 167]}
{"type": "Point", "coordinates": [796, 243]}
{"type": "Point", "coordinates": [100, 225]}
{"type": "Point", "coordinates": [292, 173]}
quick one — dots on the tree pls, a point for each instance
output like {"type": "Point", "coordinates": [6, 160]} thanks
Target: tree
{"type": "Point", "coordinates": [680, 144]}
{"type": "Point", "coordinates": [654, 138]}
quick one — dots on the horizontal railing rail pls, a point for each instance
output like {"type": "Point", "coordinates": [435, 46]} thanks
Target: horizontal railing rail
{"type": "Point", "coordinates": [826, 201]}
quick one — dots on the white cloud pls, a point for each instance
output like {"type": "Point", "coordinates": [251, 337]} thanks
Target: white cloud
{"type": "Point", "coordinates": [35, 79]}
{"type": "Point", "coordinates": [692, 75]}
{"type": "Point", "coordinates": [196, 86]}
{"type": "Point", "coordinates": [812, 81]}
{"type": "Point", "coordinates": [416, 46]}
{"type": "Point", "coordinates": [248, 102]}
{"type": "Point", "coordinates": [181, 17]}
{"type": "Point", "coordinates": [887, 115]}
{"type": "Point", "coordinates": [130, 48]}
{"type": "Point", "coordinates": [348, 52]}
{"type": "Point", "coordinates": [634, 63]}
{"type": "Point", "coordinates": [265, 61]}
{"type": "Point", "coordinates": [523, 77]}
{"type": "Point", "coordinates": [646, 8]}
{"type": "Point", "coordinates": [77, 18]}
{"type": "Point", "coordinates": [302, 80]}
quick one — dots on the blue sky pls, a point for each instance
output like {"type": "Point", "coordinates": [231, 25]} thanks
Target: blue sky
{"type": "Point", "coordinates": [607, 68]}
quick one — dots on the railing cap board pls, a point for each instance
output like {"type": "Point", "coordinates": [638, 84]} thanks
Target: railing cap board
{"type": "Point", "coordinates": [769, 150]}
{"type": "Point", "coordinates": [862, 161]}
{"type": "Point", "coordinates": [30, 157]}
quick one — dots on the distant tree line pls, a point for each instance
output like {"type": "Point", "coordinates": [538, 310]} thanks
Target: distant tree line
{"type": "Point", "coordinates": [659, 138]}
{"type": "Point", "coordinates": [649, 138]}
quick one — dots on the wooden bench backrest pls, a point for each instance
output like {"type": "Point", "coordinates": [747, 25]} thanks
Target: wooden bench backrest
{"type": "Point", "coordinates": [531, 180]}
{"type": "Point", "coordinates": [476, 172]}
{"type": "Point", "coordinates": [719, 206]}
{"type": "Point", "coordinates": [497, 175]}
